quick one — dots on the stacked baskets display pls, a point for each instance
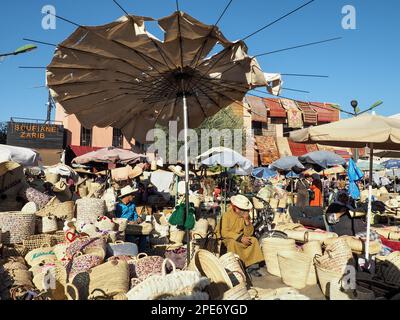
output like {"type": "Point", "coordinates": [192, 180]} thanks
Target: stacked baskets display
{"type": "Point", "coordinates": [16, 226]}
{"type": "Point", "coordinates": [271, 247]}
{"type": "Point", "coordinates": [88, 210]}
{"type": "Point", "coordinates": [232, 263]}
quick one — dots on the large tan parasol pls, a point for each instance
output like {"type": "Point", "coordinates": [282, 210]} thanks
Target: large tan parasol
{"type": "Point", "coordinates": [367, 130]}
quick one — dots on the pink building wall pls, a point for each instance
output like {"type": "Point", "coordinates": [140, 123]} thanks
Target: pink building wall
{"type": "Point", "coordinates": [101, 137]}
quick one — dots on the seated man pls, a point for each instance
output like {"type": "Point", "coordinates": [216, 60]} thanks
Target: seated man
{"type": "Point", "coordinates": [126, 209]}
{"type": "Point", "coordinates": [343, 219]}
{"type": "Point", "coordinates": [236, 231]}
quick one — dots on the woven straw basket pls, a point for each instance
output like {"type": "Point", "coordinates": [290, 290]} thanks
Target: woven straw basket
{"type": "Point", "coordinates": [16, 226]}
{"type": "Point", "coordinates": [238, 292]}
{"type": "Point", "coordinates": [37, 241]}
{"type": "Point", "coordinates": [337, 292]}
{"type": "Point", "coordinates": [47, 224]}
{"type": "Point", "coordinates": [176, 236]}
{"type": "Point", "coordinates": [326, 277]}
{"type": "Point", "coordinates": [231, 262]}
{"type": "Point", "coordinates": [139, 229]}
{"type": "Point", "coordinates": [271, 247]}
{"type": "Point", "coordinates": [88, 210]}
{"type": "Point", "coordinates": [311, 249]}
{"type": "Point", "coordinates": [63, 210]}
{"type": "Point", "coordinates": [294, 268]}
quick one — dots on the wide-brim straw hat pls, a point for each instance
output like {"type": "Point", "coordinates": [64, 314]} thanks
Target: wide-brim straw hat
{"type": "Point", "coordinates": [241, 202]}
{"type": "Point", "coordinates": [126, 191]}
{"type": "Point", "coordinates": [178, 170]}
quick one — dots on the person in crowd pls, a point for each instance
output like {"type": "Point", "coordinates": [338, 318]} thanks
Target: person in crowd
{"type": "Point", "coordinates": [236, 231]}
{"type": "Point", "coordinates": [343, 219]}
{"type": "Point", "coordinates": [316, 191]}
{"type": "Point", "coordinates": [302, 187]}
{"type": "Point", "coordinates": [342, 184]}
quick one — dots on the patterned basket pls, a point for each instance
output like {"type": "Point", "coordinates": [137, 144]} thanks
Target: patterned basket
{"type": "Point", "coordinates": [33, 195]}
{"type": "Point", "coordinates": [16, 226]}
{"type": "Point", "coordinates": [88, 210]}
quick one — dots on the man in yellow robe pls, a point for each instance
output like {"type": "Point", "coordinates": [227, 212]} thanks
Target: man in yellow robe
{"type": "Point", "coordinates": [236, 231]}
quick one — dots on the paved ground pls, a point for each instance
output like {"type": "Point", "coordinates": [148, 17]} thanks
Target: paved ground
{"type": "Point", "coordinates": [271, 282]}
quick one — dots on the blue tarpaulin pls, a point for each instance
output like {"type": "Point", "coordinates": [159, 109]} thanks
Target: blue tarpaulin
{"type": "Point", "coordinates": [391, 164]}
{"type": "Point", "coordinates": [354, 174]}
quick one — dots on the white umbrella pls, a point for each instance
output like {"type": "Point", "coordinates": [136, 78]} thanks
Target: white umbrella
{"type": "Point", "coordinates": [367, 130]}
{"type": "Point", "coordinates": [24, 156]}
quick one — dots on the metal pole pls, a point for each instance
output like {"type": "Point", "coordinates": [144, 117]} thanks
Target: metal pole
{"type": "Point", "coordinates": [371, 163]}
{"type": "Point", "coordinates": [185, 124]}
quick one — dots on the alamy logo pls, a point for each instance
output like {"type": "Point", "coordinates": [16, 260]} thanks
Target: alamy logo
{"type": "Point", "coordinates": [49, 20]}
{"type": "Point", "coordinates": [349, 21]}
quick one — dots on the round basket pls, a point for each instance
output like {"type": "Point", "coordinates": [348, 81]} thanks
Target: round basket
{"type": "Point", "coordinates": [319, 236]}
{"type": "Point", "coordinates": [16, 226]}
{"type": "Point", "coordinates": [326, 277]}
{"type": "Point", "coordinates": [294, 268]}
{"type": "Point", "coordinates": [271, 247]}
{"type": "Point", "coordinates": [139, 229]}
{"type": "Point", "coordinates": [231, 262]}
{"type": "Point", "coordinates": [209, 266]}
{"type": "Point", "coordinates": [33, 195]}
{"type": "Point", "coordinates": [88, 210]}
{"type": "Point", "coordinates": [337, 256]}
{"type": "Point", "coordinates": [238, 292]}
{"type": "Point", "coordinates": [63, 210]}
{"type": "Point", "coordinates": [390, 268]}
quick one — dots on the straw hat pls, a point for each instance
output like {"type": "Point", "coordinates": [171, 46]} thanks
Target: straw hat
{"type": "Point", "coordinates": [126, 191]}
{"type": "Point", "coordinates": [136, 172]}
{"type": "Point", "coordinates": [178, 170]}
{"type": "Point", "coordinates": [241, 202]}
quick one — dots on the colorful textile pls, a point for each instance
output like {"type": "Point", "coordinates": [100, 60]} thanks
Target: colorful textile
{"type": "Point", "coordinates": [258, 109]}
{"type": "Point", "coordinates": [283, 147]}
{"type": "Point", "coordinates": [294, 114]}
{"type": "Point", "coordinates": [267, 149]}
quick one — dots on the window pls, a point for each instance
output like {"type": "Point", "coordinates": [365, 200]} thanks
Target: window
{"type": "Point", "coordinates": [117, 138]}
{"type": "Point", "coordinates": [86, 137]}
{"type": "Point", "coordinates": [258, 128]}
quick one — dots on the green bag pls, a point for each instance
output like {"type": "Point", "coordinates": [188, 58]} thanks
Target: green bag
{"type": "Point", "coordinates": [177, 217]}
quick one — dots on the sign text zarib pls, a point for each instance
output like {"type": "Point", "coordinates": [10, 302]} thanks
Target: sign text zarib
{"type": "Point", "coordinates": [33, 131]}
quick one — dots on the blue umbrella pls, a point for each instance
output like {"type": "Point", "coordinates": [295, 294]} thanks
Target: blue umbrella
{"type": "Point", "coordinates": [391, 164]}
{"type": "Point", "coordinates": [322, 159]}
{"type": "Point", "coordinates": [354, 174]}
{"type": "Point", "coordinates": [292, 175]}
{"type": "Point", "coordinates": [289, 163]}
{"type": "Point", "coordinates": [264, 173]}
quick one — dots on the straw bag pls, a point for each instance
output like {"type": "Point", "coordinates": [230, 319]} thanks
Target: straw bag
{"type": "Point", "coordinates": [37, 241]}
{"type": "Point", "coordinates": [358, 245]}
{"type": "Point", "coordinates": [47, 224]}
{"type": "Point", "coordinates": [16, 226]}
{"type": "Point", "coordinates": [83, 191]}
{"type": "Point", "coordinates": [160, 230]}
{"type": "Point", "coordinates": [232, 263]}
{"type": "Point", "coordinates": [271, 247]}
{"type": "Point", "coordinates": [337, 256]}
{"type": "Point", "coordinates": [319, 236]}
{"type": "Point", "coordinates": [294, 268]}
{"type": "Point", "coordinates": [60, 250]}
{"type": "Point", "coordinates": [144, 229]}
{"type": "Point", "coordinates": [40, 255]}
{"type": "Point", "coordinates": [209, 266]}
{"type": "Point", "coordinates": [201, 227]}
{"type": "Point", "coordinates": [177, 256]}
{"type": "Point", "coordinates": [238, 292]}
{"type": "Point", "coordinates": [326, 277]}
{"type": "Point", "coordinates": [177, 236]}
{"type": "Point", "coordinates": [88, 210]}
{"type": "Point", "coordinates": [120, 248]}
{"type": "Point", "coordinates": [167, 286]}
{"type": "Point", "coordinates": [33, 195]}
{"type": "Point", "coordinates": [81, 263]}
{"type": "Point", "coordinates": [81, 244]}
{"type": "Point", "coordinates": [63, 210]}
{"type": "Point", "coordinates": [147, 265]}
{"type": "Point", "coordinates": [110, 278]}
{"type": "Point", "coordinates": [311, 249]}
{"type": "Point", "coordinates": [105, 224]}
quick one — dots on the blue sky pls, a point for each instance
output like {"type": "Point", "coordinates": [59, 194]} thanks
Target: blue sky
{"type": "Point", "coordinates": [363, 66]}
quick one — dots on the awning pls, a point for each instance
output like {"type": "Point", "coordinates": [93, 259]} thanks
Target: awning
{"type": "Point", "coordinates": [258, 109]}
{"type": "Point", "coordinates": [275, 108]}
{"type": "Point", "coordinates": [325, 112]}
{"type": "Point", "coordinates": [309, 114]}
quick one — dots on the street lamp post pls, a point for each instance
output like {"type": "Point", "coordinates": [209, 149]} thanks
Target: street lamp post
{"type": "Point", "coordinates": [23, 49]}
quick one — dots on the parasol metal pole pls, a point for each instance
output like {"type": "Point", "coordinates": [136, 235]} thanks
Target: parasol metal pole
{"type": "Point", "coordinates": [371, 163]}
{"type": "Point", "coordinates": [185, 124]}
{"type": "Point", "coordinates": [394, 180]}
{"type": "Point", "coordinates": [177, 191]}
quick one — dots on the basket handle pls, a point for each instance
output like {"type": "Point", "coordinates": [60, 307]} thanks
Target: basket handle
{"type": "Point", "coordinates": [306, 236]}
{"type": "Point", "coordinates": [141, 255]}
{"type": "Point", "coordinates": [45, 245]}
{"type": "Point", "coordinates": [164, 266]}
{"type": "Point", "coordinates": [74, 289]}
{"type": "Point", "coordinates": [119, 242]}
